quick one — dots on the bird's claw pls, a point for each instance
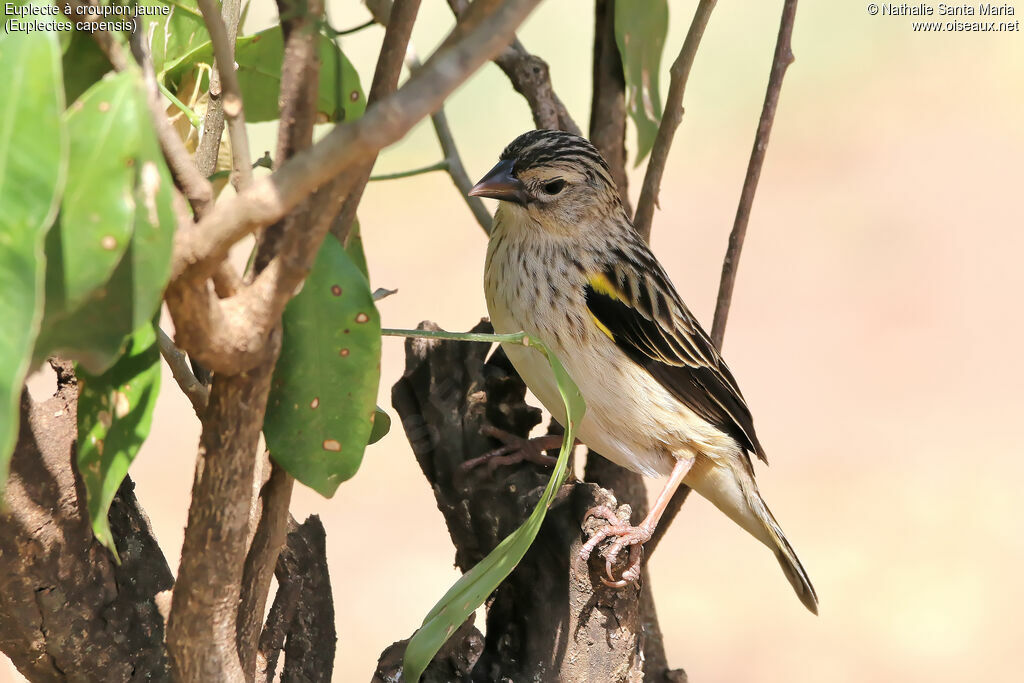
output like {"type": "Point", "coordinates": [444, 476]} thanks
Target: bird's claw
{"type": "Point", "coordinates": [627, 535]}
{"type": "Point", "coordinates": [514, 449]}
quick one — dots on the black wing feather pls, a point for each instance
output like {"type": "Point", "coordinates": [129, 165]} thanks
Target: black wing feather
{"type": "Point", "coordinates": [683, 360]}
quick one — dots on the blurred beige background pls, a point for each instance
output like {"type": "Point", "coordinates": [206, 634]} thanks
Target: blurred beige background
{"type": "Point", "coordinates": [873, 332]}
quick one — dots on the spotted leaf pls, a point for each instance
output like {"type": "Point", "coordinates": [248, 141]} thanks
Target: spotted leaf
{"type": "Point", "coordinates": [323, 398]}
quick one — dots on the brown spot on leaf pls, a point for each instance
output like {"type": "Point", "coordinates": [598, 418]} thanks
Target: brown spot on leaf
{"type": "Point", "coordinates": [108, 243]}
{"type": "Point", "coordinates": [335, 290]}
{"type": "Point", "coordinates": [332, 445]}
{"type": "Point", "coordinates": [354, 96]}
{"type": "Point", "coordinates": [343, 353]}
{"type": "Point", "coordinates": [362, 318]}
{"type": "Point", "coordinates": [315, 403]}
{"type": "Point", "coordinates": [104, 106]}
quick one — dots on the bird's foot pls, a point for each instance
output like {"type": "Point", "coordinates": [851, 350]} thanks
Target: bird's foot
{"type": "Point", "coordinates": [514, 449]}
{"type": "Point", "coordinates": [626, 535]}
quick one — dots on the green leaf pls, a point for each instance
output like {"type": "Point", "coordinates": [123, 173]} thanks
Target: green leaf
{"type": "Point", "coordinates": [89, 311]}
{"type": "Point", "coordinates": [33, 159]}
{"type": "Point", "coordinates": [323, 396]}
{"type": "Point", "coordinates": [175, 34]}
{"type": "Point", "coordinates": [381, 425]}
{"type": "Point", "coordinates": [259, 58]}
{"type": "Point", "coordinates": [470, 591]}
{"type": "Point", "coordinates": [84, 64]}
{"type": "Point", "coordinates": [115, 410]}
{"type": "Point", "coordinates": [354, 247]}
{"type": "Point", "coordinates": [98, 206]}
{"type": "Point", "coordinates": [640, 30]}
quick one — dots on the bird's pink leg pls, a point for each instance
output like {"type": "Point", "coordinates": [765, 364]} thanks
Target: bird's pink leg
{"type": "Point", "coordinates": [633, 536]}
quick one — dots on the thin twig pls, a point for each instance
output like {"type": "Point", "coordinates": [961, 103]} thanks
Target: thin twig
{"type": "Point", "coordinates": [679, 74]}
{"type": "Point", "coordinates": [780, 62]}
{"type": "Point", "coordinates": [439, 166]}
{"type": "Point", "coordinates": [456, 170]}
{"type": "Point", "coordinates": [531, 78]}
{"type": "Point", "coordinates": [198, 250]}
{"type": "Point", "coordinates": [196, 391]}
{"type": "Point", "coordinates": [385, 80]}
{"type": "Point", "coordinates": [223, 30]}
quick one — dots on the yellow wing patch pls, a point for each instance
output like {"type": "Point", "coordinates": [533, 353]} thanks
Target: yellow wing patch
{"type": "Point", "coordinates": [600, 283]}
{"type": "Point", "coordinates": [601, 326]}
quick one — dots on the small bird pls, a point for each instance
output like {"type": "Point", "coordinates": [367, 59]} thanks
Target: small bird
{"type": "Point", "coordinates": [565, 266]}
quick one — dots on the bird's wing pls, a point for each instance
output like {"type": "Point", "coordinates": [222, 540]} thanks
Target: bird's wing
{"type": "Point", "coordinates": [641, 312]}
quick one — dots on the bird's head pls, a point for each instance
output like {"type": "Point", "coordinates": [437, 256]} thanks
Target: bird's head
{"type": "Point", "coordinates": [556, 180]}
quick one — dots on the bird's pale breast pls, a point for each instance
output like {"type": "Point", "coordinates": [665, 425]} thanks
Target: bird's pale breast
{"type": "Point", "coordinates": [641, 430]}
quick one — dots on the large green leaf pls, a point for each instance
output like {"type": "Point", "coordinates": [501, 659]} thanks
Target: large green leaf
{"type": "Point", "coordinates": [115, 410]}
{"type": "Point", "coordinates": [640, 30]}
{"type": "Point", "coordinates": [91, 326]}
{"type": "Point", "coordinates": [98, 205]}
{"type": "Point", "coordinates": [173, 34]}
{"type": "Point", "coordinates": [33, 157]}
{"type": "Point", "coordinates": [322, 401]}
{"type": "Point", "coordinates": [259, 58]}
{"type": "Point", "coordinates": [470, 591]}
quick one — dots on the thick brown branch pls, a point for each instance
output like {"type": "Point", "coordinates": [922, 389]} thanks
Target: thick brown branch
{"type": "Point", "coordinates": [679, 74]}
{"type": "Point", "coordinates": [199, 250]}
{"type": "Point", "coordinates": [271, 532]}
{"type": "Point", "coordinates": [780, 62]}
{"type": "Point", "coordinates": [228, 104]}
{"type": "Point", "coordinates": [551, 619]}
{"type": "Point", "coordinates": [608, 102]}
{"type": "Point", "coordinates": [201, 630]}
{"type": "Point", "coordinates": [300, 71]}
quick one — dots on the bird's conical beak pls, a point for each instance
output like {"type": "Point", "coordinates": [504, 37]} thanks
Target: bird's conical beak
{"type": "Point", "coordinates": [499, 183]}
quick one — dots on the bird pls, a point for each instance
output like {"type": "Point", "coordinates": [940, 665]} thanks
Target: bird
{"type": "Point", "coordinates": [565, 265]}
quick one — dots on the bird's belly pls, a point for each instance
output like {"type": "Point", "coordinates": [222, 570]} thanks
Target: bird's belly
{"type": "Point", "coordinates": [629, 418]}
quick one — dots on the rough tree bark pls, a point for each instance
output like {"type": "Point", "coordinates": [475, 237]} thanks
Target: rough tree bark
{"type": "Point", "coordinates": [551, 619]}
{"type": "Point", "coordinates": [67, 610]}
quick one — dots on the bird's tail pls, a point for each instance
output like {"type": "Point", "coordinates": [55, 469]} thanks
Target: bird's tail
{"type": "Point", "coordinates": [735, 493]}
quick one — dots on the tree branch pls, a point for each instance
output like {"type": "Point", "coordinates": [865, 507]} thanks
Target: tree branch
{"type": "Point", "coordinates": [271, 533]}
{"type": "Point", "coordinates": [780, 62]}
{"type": "Point", "coordinates": [456, 171]}
{"type": "Point", "coordinates": [385, 79]}
{"type": "Point", "coordinates": [199, 250]}
{"type": "Point", "coordinates": [550, 619]}
{"type": "Point", "coordinates": [223, 30]}
{"type": "Point", "coordinates": [782, 58]}
{"type": "Point", "coordinates": [608, 102]}
{"type": "Point", "coordinates": [531, 78]}
{"type": "Point", "coordinates": [679, 74]}
{"type": "Point", "coordinates": [194, 390]}
{"type": "Point", "coordinates": [201, 630]}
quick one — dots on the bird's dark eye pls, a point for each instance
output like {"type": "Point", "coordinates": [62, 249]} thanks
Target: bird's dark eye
{"type": "Point", "coordinates": [554, 187]}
